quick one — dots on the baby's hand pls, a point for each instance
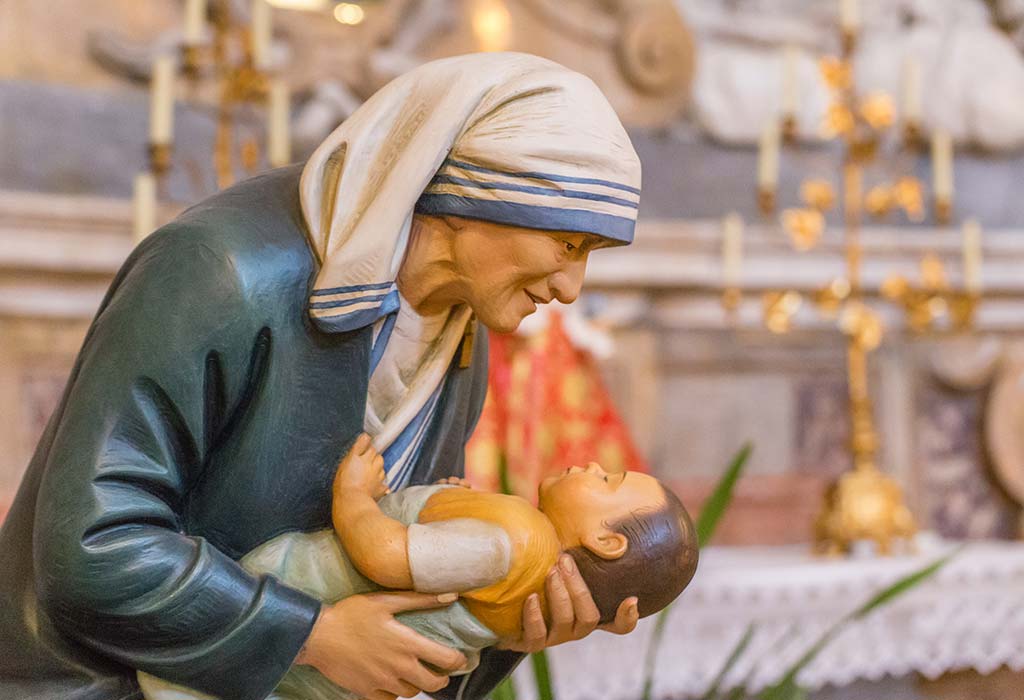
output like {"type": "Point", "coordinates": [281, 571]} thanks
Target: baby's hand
{"type": "Point", "coordinates": [455, 481]}
{"type": "Point", "coordinates": [362, 470]}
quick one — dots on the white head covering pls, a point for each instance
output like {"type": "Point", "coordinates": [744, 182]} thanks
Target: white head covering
{"type": "Point", "coordinates": [504, 137]}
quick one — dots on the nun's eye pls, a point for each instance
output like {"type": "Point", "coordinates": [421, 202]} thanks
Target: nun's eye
{"type": "Point", "coordinates": [569, 247]}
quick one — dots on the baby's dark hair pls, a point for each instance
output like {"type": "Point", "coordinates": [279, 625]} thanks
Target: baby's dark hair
{"type": "Point", "coordinates": [658, 564]}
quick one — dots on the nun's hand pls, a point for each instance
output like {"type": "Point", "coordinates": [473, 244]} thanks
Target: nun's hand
{"type": "Point", "coordinates": [358, 644]}
{"type": "Point", "coordinates": [572, 612]}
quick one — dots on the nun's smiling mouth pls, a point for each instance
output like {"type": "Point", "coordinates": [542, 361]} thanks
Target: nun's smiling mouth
{"type": "Point", "coordinates": [536, 299]}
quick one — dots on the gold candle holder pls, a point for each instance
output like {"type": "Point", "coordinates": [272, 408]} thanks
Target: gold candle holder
{"type": "Point", "coordinates": [865, 504]}
{"type": "Point", "coordinates": [191, 61]}
{"type": "Point", "coordinates": [789, 131]}
{"type": "Point", "coordinates": [913, 136]}
{"type": "Point", "coordinates": [731, 299]}
{"type": "Point", "coordinates": [159, 158]}
{"type": "Point", "coordinates": [943, 210]}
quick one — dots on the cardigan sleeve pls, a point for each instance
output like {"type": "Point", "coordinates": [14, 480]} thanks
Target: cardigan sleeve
{"type": "Point", "coordinates": [115, 568]}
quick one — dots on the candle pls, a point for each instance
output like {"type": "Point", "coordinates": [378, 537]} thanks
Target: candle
{"type": "Point", "coordinates": [849, 15]}
{"type": "Point", "coordinates": [260, 29]}
{"type": "Point", "coordinates": [161, 100]}
{"type": "Point", "coordinates": [972, 256]}
{"type": "Point", "coordinates": [732, 249]}
{"type": "Point", "coordinates": [195, 18]}
{"type": "Point", "coordinates": [911, 91]}
{"type": "Point", "coordinates": [279, 147]}
{"type": "Point", "coordinates": [768, 157]}
{"type": "Point", "coordinates": [144, 205]}
{"type": "Point", "coordinates": [789, 80]}
{"type": "Point", "coordinates": [942, 166]}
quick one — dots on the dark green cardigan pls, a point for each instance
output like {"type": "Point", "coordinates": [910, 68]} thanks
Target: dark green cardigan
{"type": "Point", "coordinates": [205, 415]}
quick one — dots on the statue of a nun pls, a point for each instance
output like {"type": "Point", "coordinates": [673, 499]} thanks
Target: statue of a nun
{"type": "Point", "coordinates": [242, 349]}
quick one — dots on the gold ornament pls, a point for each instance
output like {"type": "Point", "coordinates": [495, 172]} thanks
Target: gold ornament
{"type": "Point", "coordinates": [830, 299]}
{"type": "Point", "coordinates": [779, 308]}
{"type": "Point", "coordinates": [909, 195]}
{"type": "Point", "coordinates": [839, 120]}
{"type": "Point", "coordinates": [933, 273]}
{"type": "Point", "coordinates": [878, 111]}
{"type": "Point", "coordinates": [804, 227]}
{"type": "Point", "coordinates": [836, 72]}
{"type": "Point", "coordinates": [862, 324]}
{"type": "Point", "coordinates": [879, 200]}
{"type": "Point", "coordinates": [818, 194]}
{"type": "Point", "coordinates": [863, 505]}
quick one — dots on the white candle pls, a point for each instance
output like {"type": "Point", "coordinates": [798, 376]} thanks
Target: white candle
{"type": "Point", "coordinates": [789, 80]}
{"type": "Point", "coordinates": [911, 91]}
{"type": "Point", "coordinates": [279, 147]}
{"type": "Point", "coordinates": [161, 100]}
{"type": "Point", "coordinates": [972, 256]}
{"type": "Point", "coordinates": [144, 205]}
{"type": "Point", "coordinates": [732, 249]}
{"type": "Point", "coordinates": [195, 18]}
{"type": "Point", "coordinates": [768, 157]}
{"type": "Point", "coordinates": [849, 15]}
{"type": "Point", "coordinates": [260, 29]}
{"type": "Point", "coordinates": [942, 166]}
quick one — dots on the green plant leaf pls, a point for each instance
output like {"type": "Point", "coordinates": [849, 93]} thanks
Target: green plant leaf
{"type": "Point", "coordinates": [903, 585]}
{"type": "Point", "coordinates": [504, 690]}
{"type": "Point", "coordinates": [785, 690]}
{"type": "Point", "coordinates": [737, 693]}
{"type": "Point", "coordinates": [710, 513]}
{"type": "Point", "coordinates": [718, 502]}
{"type": "Point", "coordinates": [884, 596]}
{"type": "Point", "coordinates": [542, 675]}
{"type": "Point", "coordinates": [734, 656]}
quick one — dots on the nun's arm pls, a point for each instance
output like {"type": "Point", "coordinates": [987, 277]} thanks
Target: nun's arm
{"type": "Point", "coordinates": [116, 570]}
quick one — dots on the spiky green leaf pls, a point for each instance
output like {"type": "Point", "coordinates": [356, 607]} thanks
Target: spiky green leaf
{"type": "Point", "coordinates": [718, 502]}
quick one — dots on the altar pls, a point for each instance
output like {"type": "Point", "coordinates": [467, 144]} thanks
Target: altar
{"type": "Point", "coordinates": [968, 616]}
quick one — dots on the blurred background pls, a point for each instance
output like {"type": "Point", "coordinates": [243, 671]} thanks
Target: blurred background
{"type": "Point", "coordinates": [827, 267]}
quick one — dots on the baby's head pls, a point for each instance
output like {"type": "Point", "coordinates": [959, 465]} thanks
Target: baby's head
{"type": "Point", "coordinates": [628, 534]}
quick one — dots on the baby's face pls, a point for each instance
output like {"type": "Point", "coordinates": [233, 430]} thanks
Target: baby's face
{"type": "Point", "coordinates": [581, 502]}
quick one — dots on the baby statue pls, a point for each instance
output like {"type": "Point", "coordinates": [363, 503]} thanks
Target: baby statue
{"type": "Point", "coordinates": [626, 532]}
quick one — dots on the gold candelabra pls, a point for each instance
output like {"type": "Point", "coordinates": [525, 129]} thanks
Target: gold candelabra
{"type": "Point", "coordinates": [232, 52]}
{"type": "Point", "coordinates": [864, 504]}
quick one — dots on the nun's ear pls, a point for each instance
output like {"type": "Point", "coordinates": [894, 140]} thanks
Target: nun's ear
{"type": "Point", "coordinates": [606, 544]}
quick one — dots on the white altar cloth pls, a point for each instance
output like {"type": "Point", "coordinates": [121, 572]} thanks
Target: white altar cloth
{"type": "Point", "coordinates": [968, 616]}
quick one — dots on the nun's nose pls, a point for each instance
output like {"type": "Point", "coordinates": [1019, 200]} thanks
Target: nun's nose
{"type": "Point", "coordinates": [565, 285]}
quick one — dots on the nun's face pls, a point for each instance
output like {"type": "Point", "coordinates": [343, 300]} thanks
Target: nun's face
{"type": "Point", "coordinates": [506, 271]}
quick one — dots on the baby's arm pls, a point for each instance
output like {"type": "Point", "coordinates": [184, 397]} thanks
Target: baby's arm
{"type": "Point", "coordinates": [376, 544]}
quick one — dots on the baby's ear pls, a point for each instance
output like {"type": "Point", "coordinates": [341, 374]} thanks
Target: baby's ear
{"type": "Point", "coordinates": [606, 544]}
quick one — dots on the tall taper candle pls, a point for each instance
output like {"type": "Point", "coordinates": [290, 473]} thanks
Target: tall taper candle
{"type": "Point", "coordinates": [732, 249]}
{"type": "Point", "coordinates": [972, 256]}
{"type": "Point", "coordinates": [790, 56]}
{"type": "Point", "coordinates": [279, 146]}
{"type": "Point", "coordinates": [942, 167]}
{"type": "Point", "coordinates": [195, 18]}
{"type": "Point", "coordinates": [911, 91]}
{"type": "Point", "coordinates": [260, 32]}
{"type": "Point", "coordinates": [144, 205]}
{"type": "Point", "coordinates": [161, 101]}
{"type": "Point", "coordinates": [768, 157]}
{"type": "Point", "coordinates": [849, 15]}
